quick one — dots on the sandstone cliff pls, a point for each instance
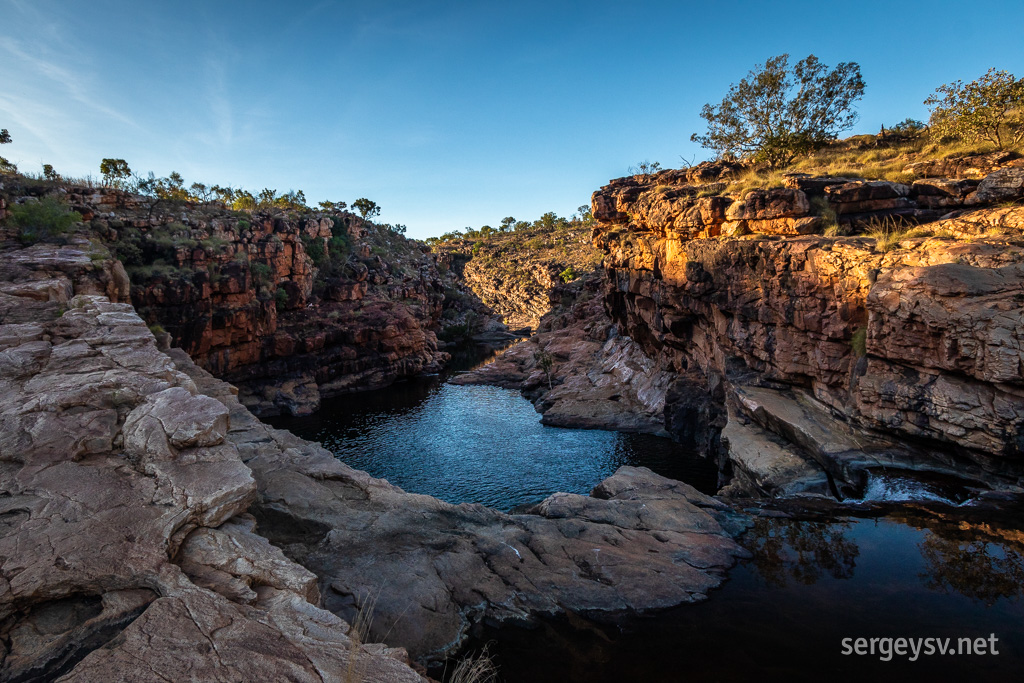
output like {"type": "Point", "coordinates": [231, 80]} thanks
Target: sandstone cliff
{"type": "Point", "coordinates": [847, 354]}
{"type": "Point", "coordinates": [290, 307]}
{"type": "Point", "coordinates": [514, 272]}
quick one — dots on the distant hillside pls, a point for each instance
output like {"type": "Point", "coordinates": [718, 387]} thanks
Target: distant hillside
{"type": "Point", "coordinates": [513, 271]}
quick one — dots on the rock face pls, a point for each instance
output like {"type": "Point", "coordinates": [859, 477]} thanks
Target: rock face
{"type": "Point", "coordinates": [433, 569]}
{"type": "Point", "coordinates": [683, 205]}
{"type": "Point", "coordinates": [597, 379]}
{"type": "Point", "coordinates": [922, 342]}
{"type": "Point", "coordinates": [290, 307]}
{"type": "Point", "coordinates": [126, 553]}
{"type": "Point", "coordinates": [514, 273]}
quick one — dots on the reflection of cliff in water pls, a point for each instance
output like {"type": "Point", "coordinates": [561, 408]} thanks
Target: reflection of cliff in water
{"type": "Point", "coordinates": [800, 551]}
{"type": "Point", "coordinates": [978, 561]}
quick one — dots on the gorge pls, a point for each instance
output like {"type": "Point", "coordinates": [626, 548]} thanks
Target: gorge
{"type": "Point", "coordinates": [841, 399]}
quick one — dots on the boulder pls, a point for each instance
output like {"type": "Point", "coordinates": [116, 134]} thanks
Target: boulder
{"type": "Point", "coordinates": [999, 186]}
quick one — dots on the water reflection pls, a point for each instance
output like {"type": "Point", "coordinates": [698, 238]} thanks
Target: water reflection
{"type": "Point", "coordinates": [800, 551]}
{"type": "Point", "coordinates": [783, 614]}
{"type": "Point", "coordinates": [975, 561]}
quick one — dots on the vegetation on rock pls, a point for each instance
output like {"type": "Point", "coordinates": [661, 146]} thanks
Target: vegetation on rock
{"type": "Point", "coordinates": [776, 113]}
{"type": "Point", "coordinates": [513, 269]}
{"type": "Point", "coordinates": [5, 165]}
{"type": "Point", "coordinates": [43, 220]}
{"type": "Point", "coordinates": [988, 109]}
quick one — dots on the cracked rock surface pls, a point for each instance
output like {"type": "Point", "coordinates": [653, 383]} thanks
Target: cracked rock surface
{"type": "Point", "coordinates": [125, 551]}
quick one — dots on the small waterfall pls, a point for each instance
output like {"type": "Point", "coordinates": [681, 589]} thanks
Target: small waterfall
{"type": "Point", "coordinates": [912, 486]}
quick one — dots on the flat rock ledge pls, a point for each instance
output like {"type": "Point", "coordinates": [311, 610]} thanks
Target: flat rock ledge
{"type": "Point", "coordinates": [432, 569]}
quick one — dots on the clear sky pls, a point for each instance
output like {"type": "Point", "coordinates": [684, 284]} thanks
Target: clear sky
{"type": "Point", "coordinates": [447, 114]}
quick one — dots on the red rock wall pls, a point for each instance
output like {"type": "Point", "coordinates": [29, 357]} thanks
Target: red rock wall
{"type": "Point", "coordinates": [241, 295]}
{"type": "Point", "coordinates": [943, 316]}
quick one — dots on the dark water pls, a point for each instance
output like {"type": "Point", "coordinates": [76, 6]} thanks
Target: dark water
{"type": "Point", "coordinates": [480, 444]}
{"type": "Point", "coordinates": [783, 615]}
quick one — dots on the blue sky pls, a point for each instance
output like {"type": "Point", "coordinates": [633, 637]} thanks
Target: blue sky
{"type": "Point", "coordinates": [447, 114]}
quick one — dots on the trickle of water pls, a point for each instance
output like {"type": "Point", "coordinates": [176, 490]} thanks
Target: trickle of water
{"type": "Point", "coordinates": [891, 487]}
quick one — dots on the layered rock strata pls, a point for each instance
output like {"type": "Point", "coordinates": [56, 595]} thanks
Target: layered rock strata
{"type": "Point", "coordinates": [679, 207]}
{"type": "Point", "coordinates": [291, 307]}
{"type": "Point", "coordinates": [920, 343]}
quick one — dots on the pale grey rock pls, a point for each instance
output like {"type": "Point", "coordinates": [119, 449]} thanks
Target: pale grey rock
{"type": "Point", "coordinates": [765, 464]}
{"type": "Point", "coordinates": [433, 569]}
{"type": "Point", "coordinates": [111, 464]}
{"type": "Point", "coordinates": [1003, 185]}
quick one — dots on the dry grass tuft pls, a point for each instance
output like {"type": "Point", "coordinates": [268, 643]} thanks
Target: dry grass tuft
{"type": "Point", "coordinates": [478, 669]}
{"type": "Point", "coordinates": [359, 633]}
{"type": "Point", "coordinates": [887, 233]}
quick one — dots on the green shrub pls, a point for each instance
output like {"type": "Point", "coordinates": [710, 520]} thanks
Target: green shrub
{"type": "Point", "coordinates": [260, 273]}
{"type": "Point", "coordinates": [829, 218]}
{"type": "Point", "coordinates": [280, 298]}
{"type": "Point", "coordinates": [339, 247]}
{"type": "Point", "coordinates": [315, 250]}
{"type": "Point", "coordinates": [859, 342]}
{"type": "Point", "coordinates": [568, 275]}
{"type": "Point", "coordinates": [44, 220]}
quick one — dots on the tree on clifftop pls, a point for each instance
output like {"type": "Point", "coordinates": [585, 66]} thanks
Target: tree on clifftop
{"type": "Point", "coordinates": [115, 171]}
{"type": "Point", "coordinates": [990, 108]}
{"type": "Point", "coordinates": [5, 165]}
{"type": "Point", "coordinates": [777, 113]}
{"type": "Point", "coordinates": [366, 208]}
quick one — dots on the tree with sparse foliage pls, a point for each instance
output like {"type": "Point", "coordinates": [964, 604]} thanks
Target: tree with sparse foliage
{"type": "Point", "coordinates": [200, 192]}
{"type": "Point", "coordinates": [333, 207]}
{"type": "Point", "coordinates": [115, 171]}
{"type": "Point", "coordinates": [49, 173]}
{"type": "Point", "coordinates": [223, 194]}
{"type": "Point", "coordinates": [645, 168]}
{"type": "Point", "coordinates": [546, 363]}
{"type": "Point", "coordinates": [988, 109]}
{"type": "Point", "coordinates": [292, 199]}
{"type": "Point", "coordinates": [366, 208]}
{"type": "Point", "coordinates": [777, 113]}
{"type": "Point", "coordinates": [5, 165]}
